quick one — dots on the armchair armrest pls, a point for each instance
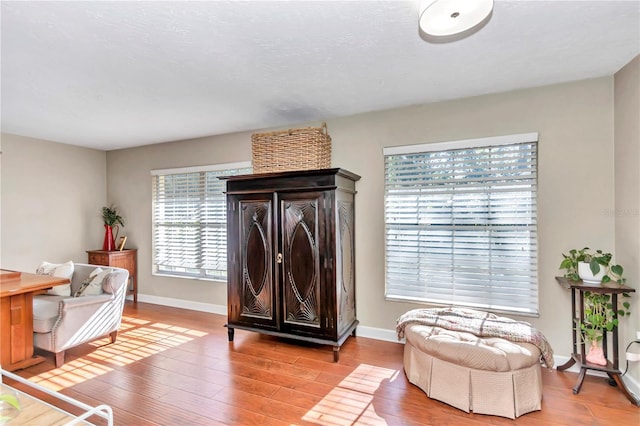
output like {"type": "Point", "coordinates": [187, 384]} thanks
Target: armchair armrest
{"type": "Point", "coordinates": [76, 302]}
{"type": "Point", "coordinates": [85, 318]}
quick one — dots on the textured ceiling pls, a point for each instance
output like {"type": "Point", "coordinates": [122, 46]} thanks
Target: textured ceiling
{"type": "Point", "coordinates": [110, 75]}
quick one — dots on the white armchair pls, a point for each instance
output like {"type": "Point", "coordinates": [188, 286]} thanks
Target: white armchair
{"type": "Point", "coordinates": [63, 322]}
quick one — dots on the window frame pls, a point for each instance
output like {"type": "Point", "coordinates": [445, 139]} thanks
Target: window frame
{"type": "Point", "coordinates": [452, 146]}
{"type": "Point", "coordinates": [222, 169]}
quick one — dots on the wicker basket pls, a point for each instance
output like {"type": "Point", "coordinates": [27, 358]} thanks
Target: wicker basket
{"type": "Point", "coordinates": [294, 149]}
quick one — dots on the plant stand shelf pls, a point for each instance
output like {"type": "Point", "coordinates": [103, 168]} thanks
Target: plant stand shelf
{"type": "Point", "coordinates": [578, 356]}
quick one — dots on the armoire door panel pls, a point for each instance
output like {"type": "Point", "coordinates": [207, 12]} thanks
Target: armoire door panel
{"type": "Point", "coordinates": [299, 219]}
{"type": "Point", "coordinates": [345, 261]}
{"type": "Point", "coordinates": [256, 258]}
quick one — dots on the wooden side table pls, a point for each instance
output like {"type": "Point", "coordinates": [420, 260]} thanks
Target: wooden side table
{"type": "Point", "coordinates": [126, 259]}
{"type": "Point", "coordinates": [578, 288]}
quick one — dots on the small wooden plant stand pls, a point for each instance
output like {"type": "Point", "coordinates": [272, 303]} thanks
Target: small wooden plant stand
{"type": "Point", "coordinates": [578, 288]}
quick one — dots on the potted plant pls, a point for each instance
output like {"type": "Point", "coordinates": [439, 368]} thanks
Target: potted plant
{"type": "Point", "coordinates": [111, 219]}
{"type": "Point", "coordinates": [600, 316]}
{"type": "Point", "coordinates": [591, 267]}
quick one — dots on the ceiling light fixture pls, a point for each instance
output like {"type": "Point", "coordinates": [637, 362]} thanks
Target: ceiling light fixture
{"type": "Point", "coordinates": [450, 20]}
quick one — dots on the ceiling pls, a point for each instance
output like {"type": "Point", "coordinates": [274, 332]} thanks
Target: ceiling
{"type": "Point", "coordinates": [116, 74]}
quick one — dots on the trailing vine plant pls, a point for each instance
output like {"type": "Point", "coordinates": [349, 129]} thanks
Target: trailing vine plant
{"type": "Point", "coordinates": [600, 315]}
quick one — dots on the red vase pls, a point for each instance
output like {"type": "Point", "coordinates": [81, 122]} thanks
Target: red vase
{"type": "Point", "coordinates": [109, 242]}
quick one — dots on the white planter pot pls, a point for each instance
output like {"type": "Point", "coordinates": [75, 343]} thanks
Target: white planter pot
{"type": "Point", "coordinates": [584, 272]}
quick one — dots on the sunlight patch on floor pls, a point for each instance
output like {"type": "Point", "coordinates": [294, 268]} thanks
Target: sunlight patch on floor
{"type": "Point", "coordinates": [137, 339]}
{"type": "Point", "coordinates": [351, 400]}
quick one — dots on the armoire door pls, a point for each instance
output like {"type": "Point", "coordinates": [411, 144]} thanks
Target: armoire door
{"type": "Point", "coordinates": [301, 217]}
{"type": "Point", "coordinates": [252, 295]}
{"type": "Point", "coordinates": [345, 284]}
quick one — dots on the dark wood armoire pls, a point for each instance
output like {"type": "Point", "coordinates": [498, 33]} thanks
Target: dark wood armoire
{"type": "Point", "coordinates": [291, 255]}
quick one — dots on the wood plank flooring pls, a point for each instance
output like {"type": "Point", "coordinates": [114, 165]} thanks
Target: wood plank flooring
{"type": "Point", "coordinates": [175, 367]}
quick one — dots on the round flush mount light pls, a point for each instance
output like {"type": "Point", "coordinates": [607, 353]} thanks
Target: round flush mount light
{"type": "Point", "coordinates": [449, 20]}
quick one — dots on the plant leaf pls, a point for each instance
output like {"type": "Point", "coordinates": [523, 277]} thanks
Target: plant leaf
{"type": "Point", "coordinates": [617, 269]}
{"type": "Point", "coordinates": [11, 400]}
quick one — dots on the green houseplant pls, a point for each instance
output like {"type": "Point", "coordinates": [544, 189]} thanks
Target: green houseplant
{"type": "Point", "coordinates": [111, 217]}
{"type": "Point", "coordinates": [600, 315]}
{"type": "Point", "coordinates": [597, 262]}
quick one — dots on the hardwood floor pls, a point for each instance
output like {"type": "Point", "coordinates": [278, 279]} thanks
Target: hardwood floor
{"type": "Point", "coordinates": [175, 367]}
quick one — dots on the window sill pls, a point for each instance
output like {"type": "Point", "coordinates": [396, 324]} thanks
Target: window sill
{"type": "Point", "coordinates": [187, 277]}
{"type": "Point", "coordinates": [479, 308]}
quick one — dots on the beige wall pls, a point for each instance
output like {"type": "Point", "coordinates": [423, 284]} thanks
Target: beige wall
{"type": "Point", "coordinates": [51, 195]}
{"type": "Point", "coordinates": [627, 192]}
{"type": "Point", "coordinates": [575, 123]}
{"type": "Point", "coordinates": [129, 187]}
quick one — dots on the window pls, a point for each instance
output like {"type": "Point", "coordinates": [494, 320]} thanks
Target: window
{"type": "Point", "coordinates": [460, 223]}
{"type": "Point", "coordinates": [190, 221]}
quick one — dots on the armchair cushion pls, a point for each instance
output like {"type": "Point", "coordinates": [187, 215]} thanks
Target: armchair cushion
{"type": "Point", "coordinates": [46, 310]}
{"type": "Point", "coordinates": [92, 285]}
{"type": "Point", "coordinates": [62, 270]}
{"type": "Point", "coordinates": [113, 283]}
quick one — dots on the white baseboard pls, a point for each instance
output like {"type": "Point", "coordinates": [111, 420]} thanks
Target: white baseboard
{"type": "Point", "coordinates": [632, 385]}
{"type": "Point", "coordinates": [184, 304]}
{"type": "Point", "coordinates": [378, 334]}
{"type": "Point", "coordinates": [369, 332]}
{"type": "Point", "coordinates": [362, 331]}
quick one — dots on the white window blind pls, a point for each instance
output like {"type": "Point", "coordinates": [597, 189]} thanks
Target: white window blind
{"type": "Point", "coordinates": [189, 221]}
{"type": "Point", "coordinates": [460, 223]}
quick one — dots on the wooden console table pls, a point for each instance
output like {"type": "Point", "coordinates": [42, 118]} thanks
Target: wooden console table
{"type": "Point", "coordinates": [126, 259]}
{"type": "Point", "coordinates": [16, 316]}
{"type": "Point", "coordinates": [578, 288]}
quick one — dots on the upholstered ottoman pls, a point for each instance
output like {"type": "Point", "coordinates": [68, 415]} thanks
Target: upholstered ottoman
{"type": "Point", "coordinates": [486, 375]}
